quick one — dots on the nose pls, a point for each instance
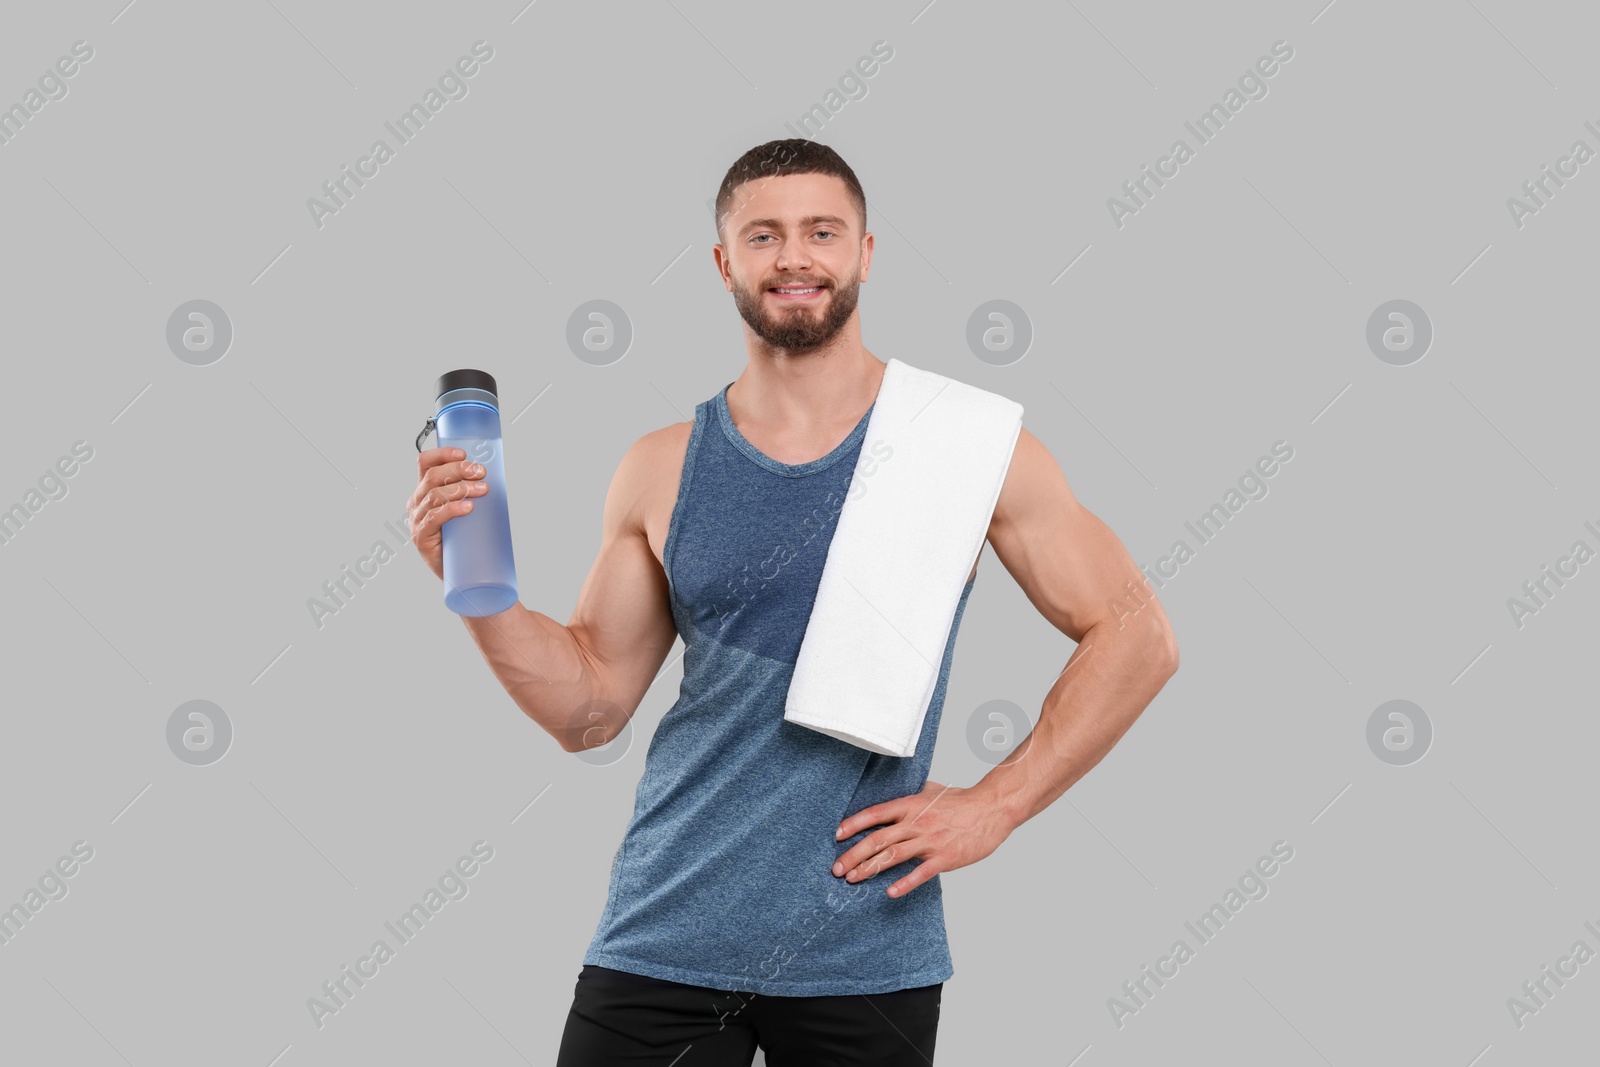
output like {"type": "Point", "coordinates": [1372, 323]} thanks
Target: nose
{"type": "Point", "coordinates": [793, 257]}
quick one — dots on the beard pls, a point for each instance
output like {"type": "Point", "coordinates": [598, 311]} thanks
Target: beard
{"type": "Point", "coordinates": [801, 327]}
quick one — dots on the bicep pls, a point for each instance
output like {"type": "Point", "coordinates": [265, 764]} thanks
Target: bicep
{"type": "Point", "coordinates": [622, 621]}
{"type": "Point", "coordinates": [1071, 566]}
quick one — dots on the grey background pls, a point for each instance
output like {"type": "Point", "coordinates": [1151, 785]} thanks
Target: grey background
{"type": "Point", "coordinates": [1228, 314]}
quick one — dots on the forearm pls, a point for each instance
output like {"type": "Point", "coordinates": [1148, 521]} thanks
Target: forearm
{"type": "Point", "coordinates": [543, 668]}
{"type": "Point", "coordinates": [1108, 681]}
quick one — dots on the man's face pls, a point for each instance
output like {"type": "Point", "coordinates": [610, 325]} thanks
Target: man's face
{"type": "Point", "coordinates": [796, 232]}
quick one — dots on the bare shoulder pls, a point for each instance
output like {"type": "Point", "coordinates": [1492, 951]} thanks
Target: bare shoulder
{"type": "Point", "coordinates": [657, 457]}
{"type": "Point", "coordinates": [645, 486]}
{"type": "Point", "coordinates": [1033, 481]}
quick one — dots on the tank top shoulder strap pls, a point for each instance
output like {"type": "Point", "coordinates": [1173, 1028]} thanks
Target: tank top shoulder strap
{"type": "Point", "coordinates": [699, 436]}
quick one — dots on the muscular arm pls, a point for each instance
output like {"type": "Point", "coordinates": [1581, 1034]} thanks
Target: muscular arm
{"type": "Point", "coordinates": [1081, 578]}
{"type": "Point", "coordinates": [583, 681]}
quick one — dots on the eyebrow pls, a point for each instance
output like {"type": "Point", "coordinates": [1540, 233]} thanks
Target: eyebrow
{"type": "Point", "coordinates": [805, 223]}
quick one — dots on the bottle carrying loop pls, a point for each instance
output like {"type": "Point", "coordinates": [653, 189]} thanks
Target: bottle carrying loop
{"type": "Point", "coordinates": [427, 428]}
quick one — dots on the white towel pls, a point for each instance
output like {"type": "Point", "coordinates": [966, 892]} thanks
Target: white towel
{"type": "Point", "coordinates": [908, 534]}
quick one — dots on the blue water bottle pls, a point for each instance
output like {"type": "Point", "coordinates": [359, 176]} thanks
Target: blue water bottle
{"type": "Point", "coordinates": [480, 577]}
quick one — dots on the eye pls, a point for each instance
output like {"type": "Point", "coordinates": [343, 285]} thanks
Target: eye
{"type": "Point", "coordinates": [758, 236]}
{"type": "Point", "coordinates": [820, 232]}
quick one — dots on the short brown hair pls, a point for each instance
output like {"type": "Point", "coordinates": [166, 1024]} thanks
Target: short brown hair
{"type": "Point", "coordinates": [791, 155]}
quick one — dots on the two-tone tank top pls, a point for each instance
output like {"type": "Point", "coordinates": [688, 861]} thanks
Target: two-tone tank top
{"type": "Point", "coordinates": [724, 874]}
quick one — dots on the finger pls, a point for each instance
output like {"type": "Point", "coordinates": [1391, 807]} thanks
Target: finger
{"type": "Point", "coordinates": [465, 489]}
{"type": "Point", "coordinates": [439, 497]}
{"type": "Point", "coordinates": [435, 457]}
{"type": "Point", "coordinates": [888, 856]}
{"type": "Point", "coordinates": [869, 847]}
{"type": "Point", "coordinates": [442, 474]}
{"type": "Point", "coordinates": [923, 871]}
{"type": "Point", "coordinates": [878, 814]}
{"type": "Point", "coordinates": [434, 518]}
{"type": "Point", "coordinates": [880, 862]}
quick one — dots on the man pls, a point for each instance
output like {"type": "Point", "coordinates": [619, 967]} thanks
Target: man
{"type": "Point", "coordinates": [777, 886]}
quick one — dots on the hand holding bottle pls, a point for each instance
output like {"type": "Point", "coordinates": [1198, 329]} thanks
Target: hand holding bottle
{"type": "Point", "coordinates": [466, 481]}
{"type": "Point", "coordinates": [447, 484]}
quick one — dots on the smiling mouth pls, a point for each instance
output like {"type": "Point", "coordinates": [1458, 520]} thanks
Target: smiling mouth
{"type": "Point", "coordinates": [797, 293]}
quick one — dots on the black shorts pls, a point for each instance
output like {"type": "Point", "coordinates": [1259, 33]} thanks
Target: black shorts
{"type": "Point", "coordinates": [618, 1018]}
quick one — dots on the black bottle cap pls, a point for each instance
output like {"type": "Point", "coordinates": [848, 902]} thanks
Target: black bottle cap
{"type": "Point", "coordinates": [466, 379]}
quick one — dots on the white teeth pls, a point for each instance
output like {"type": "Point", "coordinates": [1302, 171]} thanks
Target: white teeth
{"type": "Point", "coordinates": [798, 291]}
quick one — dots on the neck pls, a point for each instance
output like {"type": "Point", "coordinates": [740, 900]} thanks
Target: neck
{"type": "Point", "coordinates": [818, 389]}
